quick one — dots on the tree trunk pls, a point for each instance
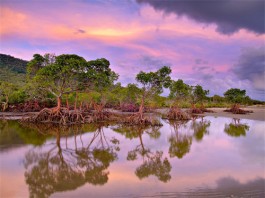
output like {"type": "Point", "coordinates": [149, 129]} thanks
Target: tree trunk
{"type": "Point", "coordinates": [67, 104]}
{"type": "Point", "coordinates": [59, 103]}
{"type": "Point", "coordinates": [141, 109]}
{"type": "Point", "coordinates": [80, 107]}
{"type": "Point", "coordinates": [5, 105]}
{"type": "Point", "coordinates": [141, 141]}
{"type": "Point", "coordinates": [75, 101]}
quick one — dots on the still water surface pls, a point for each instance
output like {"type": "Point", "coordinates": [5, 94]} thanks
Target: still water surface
{"type": "Point", "coordinates": [204, 157]}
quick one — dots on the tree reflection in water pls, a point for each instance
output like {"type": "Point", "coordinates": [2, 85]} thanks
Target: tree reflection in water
{"type": "Point", "coordinates": [13, 134]}
{"type": "Point", "coordinates": [236, 129]}
{"type": "Point", "coordinates": [60, 169]}
{"type": "Point", "coordinates": [179, 143]}
{"type": "Point", "coordinates": [200, 128]}
{"type": "Point", "coordinates": [153, 162]}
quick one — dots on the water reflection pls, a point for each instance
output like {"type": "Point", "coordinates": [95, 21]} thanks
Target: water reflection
{"type": "Point", "coordinates": [200, 128]}
{"type": "Point", "coordinates": [13, 134]}
{"type": "Point", "coordinates": [225, 187]}
{"type": "Point", "coordinates": [59, 169]}
{"type": "Point", "coordinates": [193, 159]}
{"type": "Point", "coordinates": [153, 162]}
{"type": "Point", "coordinates": [179, 142]}
{"type": "Point", "coordinates": [236, 129]}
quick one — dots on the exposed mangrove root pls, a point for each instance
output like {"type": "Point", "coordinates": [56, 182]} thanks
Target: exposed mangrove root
{"type": "Point", "coordinates": [200, 110]}
{"type": "Point", "coordinates": [175, 113]}
{"type": "Point", "coordinates": [235, 109]}
{"type": "Point", "coordinates": [129, 107]}
{"type": "Point", "coordinates": [64, 116]}
{"type": "Point", "coordinates": [60, 116]}
{"type": "Point", "coordinates": [101, 116]}
{"type": "Point", "coordinates": [203, 109]}
{"type": "Point", "coordinates": [29, 106]}
{"type": "Point", "coordinates": [139, 119]}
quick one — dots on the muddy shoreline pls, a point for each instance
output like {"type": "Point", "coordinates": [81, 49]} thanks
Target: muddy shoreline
{"type": "Point", "coordinates": [258, 113]}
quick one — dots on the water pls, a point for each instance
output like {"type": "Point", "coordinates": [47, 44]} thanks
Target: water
{"type": "Point", "coordinates": [206, 157]}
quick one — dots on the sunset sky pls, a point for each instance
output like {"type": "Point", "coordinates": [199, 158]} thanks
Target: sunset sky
{"type": "Point", "coordinates": [217, 44]}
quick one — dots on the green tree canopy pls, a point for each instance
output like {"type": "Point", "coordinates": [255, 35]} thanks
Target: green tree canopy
{"type": "Point", "coordinates": [98, 74]}
{"type": "Point", "coordinates": [199, 94]}
{"type": "Point", "coordinates": [153, 83]}
{"type": "Point", "coordinates": [179, 90]}
{"type": "Point", "coordinates": [61, 76]}
{"type": "Point", "coordinates": [6, 89]}
{"type": "Point", "coordinates": [235, 95]}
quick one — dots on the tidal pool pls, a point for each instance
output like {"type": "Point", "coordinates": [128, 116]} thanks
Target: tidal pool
{"type": "Point", "coordinates": [204, 157]}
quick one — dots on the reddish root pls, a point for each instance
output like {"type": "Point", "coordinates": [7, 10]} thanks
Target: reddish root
{"type": "Point", "coordinates": [139, 119]}
{"type": "Point", "coordinates": [235, 109]}
{"type": "Point", "coordinates": [60, 116]}
{"type": "Point", "coordinates": [175, 113]}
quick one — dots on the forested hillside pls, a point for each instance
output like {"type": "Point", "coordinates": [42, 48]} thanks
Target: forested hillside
{"type": "Point", "coordinates": [12, 69]}
{"type": "Point", "coordinates": [13, 64]}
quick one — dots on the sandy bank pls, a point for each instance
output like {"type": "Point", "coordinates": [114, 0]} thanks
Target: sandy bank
{"type": "Point", "coordinates": [258, 113]}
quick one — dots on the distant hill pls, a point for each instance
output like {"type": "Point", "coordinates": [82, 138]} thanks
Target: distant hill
{"type": "Point", "coordinates": [13, 64]}
{"type": "Point", "coordinates": [12, 69]}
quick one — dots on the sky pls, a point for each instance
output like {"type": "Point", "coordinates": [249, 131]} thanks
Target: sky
{"type": "Point", "coordinates": [219, 44]}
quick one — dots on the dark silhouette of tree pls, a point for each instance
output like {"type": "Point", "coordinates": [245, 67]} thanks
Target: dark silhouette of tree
{"type": "Point", "coordinates": [236, 129]}
{"type": "Point", "coordinates": [62, 169]}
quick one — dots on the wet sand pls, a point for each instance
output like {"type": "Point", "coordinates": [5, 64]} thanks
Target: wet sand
{"type": "Point", "coordinates": [258, 113]}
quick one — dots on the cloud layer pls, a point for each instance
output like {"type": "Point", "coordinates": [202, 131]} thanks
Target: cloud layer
{"type": "Point", "coordinates": [137, 36]}
{"type": "Point", "coordinates": [228, 15]}
{"type": "Point", "coordinates": [251, 66]}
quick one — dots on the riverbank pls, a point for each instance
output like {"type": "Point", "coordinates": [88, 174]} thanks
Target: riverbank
{"type": "Point", "coordinates": [258, 113]}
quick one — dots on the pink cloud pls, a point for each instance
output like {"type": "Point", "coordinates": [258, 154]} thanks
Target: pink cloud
{"type": "Point", "coordinates": [123, 33]}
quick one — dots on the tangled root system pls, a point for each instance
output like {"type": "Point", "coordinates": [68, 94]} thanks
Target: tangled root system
{"type": "Point", "coordinates": [235, 109]}
{"type": "Point", "coordinates": [60, 116]}
{"type": "Point", "coordinates": [139, 119]}
{"type": "Point", "coordinates": [200, 110]}
{"type": "Point", "coordinates": [175, 113]}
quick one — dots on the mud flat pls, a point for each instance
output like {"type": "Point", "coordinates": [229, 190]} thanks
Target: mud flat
{"type": "Point", "coordinates": [258, 113]}
{"type": "Point", "coordinates": [15, 115]}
